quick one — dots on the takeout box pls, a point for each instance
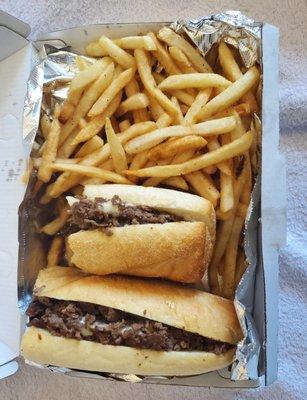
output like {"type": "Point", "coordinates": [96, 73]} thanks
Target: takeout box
{"type": "Point", "coordinates": [17, 55]}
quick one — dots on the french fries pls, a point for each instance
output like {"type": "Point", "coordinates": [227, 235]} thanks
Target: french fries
{"type": "Point", "coordinates": [170, 149]}
{"type": "Point", "coordinates": [116, 149]}
{"type": "Point", "coordinates": [50, 149]}
{"type": "Point", "coordinates": [151, 111]}
{"type": "Point", "coordinates": [195, 80]}
{"type": "Point", "coordinates": [204, 129]}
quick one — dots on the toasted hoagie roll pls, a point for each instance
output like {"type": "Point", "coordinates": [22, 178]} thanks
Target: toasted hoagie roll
{"type": "Point", "coordinates": [141, 231]}
{"type": "Point", "coordinates": [127, 325]}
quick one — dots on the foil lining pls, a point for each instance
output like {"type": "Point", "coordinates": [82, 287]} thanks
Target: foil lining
{"type": "Point", "coordinates": [52, 72]}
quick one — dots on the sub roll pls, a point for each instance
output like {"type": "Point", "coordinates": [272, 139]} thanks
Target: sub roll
{"type": "Point", "coordinates": [127, 325]}
{"type": "Point", "coordinates": [140, 231]}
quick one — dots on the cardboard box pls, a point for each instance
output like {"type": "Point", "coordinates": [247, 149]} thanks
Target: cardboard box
{"type": "Point", "coordinates": [16, 58]}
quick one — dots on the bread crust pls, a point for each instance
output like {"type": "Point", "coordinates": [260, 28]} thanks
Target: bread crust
{"type": "Point", "coordinates": [186, 205]}
{"type": "Point", "coordinates": [179, 251]}
{"type": "Point", "coordinates": [40, 346]}
{"type": "Point", "coordinates": [175, 305]}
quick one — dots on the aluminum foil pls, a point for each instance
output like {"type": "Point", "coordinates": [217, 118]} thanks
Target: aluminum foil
{"type": "Point", "coordinates": [49, 83]}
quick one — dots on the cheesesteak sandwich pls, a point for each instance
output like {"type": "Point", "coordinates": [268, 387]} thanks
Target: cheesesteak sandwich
{"type": "Point", "coordinates": [141, 231]}
{"type": "Point", "coordinates": [127, 325]}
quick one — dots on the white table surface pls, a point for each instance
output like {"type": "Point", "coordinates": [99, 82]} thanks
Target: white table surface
{"type": "Point", "coordinates": [290, 16]}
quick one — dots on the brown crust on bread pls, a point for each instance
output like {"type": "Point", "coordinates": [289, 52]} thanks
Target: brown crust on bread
{"type": "Point", "coordinates": [41, 347]}
{"type": "Point", "coordinates": [189, 309]}
{"type": "Point", "coordinates": [179, 251]}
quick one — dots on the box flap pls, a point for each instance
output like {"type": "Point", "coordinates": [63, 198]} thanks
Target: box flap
{"type": "Point", "coordinates": [14, 24]}
{"type": "Point", "coordinates": [14, 72]}
{"type": "Point", "coordinates": [10, 42]}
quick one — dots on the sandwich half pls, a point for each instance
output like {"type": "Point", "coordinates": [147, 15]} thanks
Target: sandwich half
{"type": "Point", "coordinates": [140, 231]}
{"type": "Point", "coordinates": [126, 325]}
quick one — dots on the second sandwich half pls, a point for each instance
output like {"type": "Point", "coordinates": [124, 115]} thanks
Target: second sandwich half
{"type": "Point", "coordinates": [140, 231]}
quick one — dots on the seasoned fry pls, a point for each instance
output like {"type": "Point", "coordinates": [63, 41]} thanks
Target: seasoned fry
{"type": "Point", "coordinates": [69, 146]}
{"type": "Point", "coordinates": [226, 152]}
{"type": "Point", "coordinates": [200, 100]}
{"type": "Point", "coordinates": [173, 39]}
{"type": "Point", "coordinates": [227, 200]}
{"type": "Point", "coordinates": [134, 102]}
{"type": "Point", "coordinates": [149, 83]}
{"type": "Point", "coordinates": [68, 180]}
{"type": "Point", "coordinates": [170, 149]}
{"type": "Point", "coordinates": [107, 165]}
{"type": "Point", "coordinates": [208, 128]}
{"type": "Point", "coordinates": [230, 95]}
{"type": "Point", "coordinates": [196, 80]}
{"type": "Point", "coordinates": [181, 60]}
{"type": "Point", "coordinates": [138, 115]}
{"type": "Point", "coordinates": [37, 161]}
{"type": "Point", "coordinates": [54, 226]}
{"type": "Point", "coordinates": [95, 125]}
{"type": "Point", "coordinates": [163, 56]}
{"type": "Point", "coordinates": [90, 146]}
{"type": "Point", "coordinates": [177, 182]}
{"type": "Point", "coordinates": [55, 251]}
{"type": "Point", "coordinates": [119, 55]}
{"type": "Point", "coordinates": [230, 258]}
{"type": "Point", "coordinates": [50, 149]}
{"type": "Point", "coordinates": [136, 42]}
{"type": "Point", "coordinates": [117, 151]}
{"type": "Point", "coordinates": [45, 125]}
{"type": "Point", "coordinates": [240, 267]}
{"type": "Point", "coordinates": [233, 73]}
{"type": "Point", "coordinates": [203, 186]}
{"type": "Point", "coordinates": [109, 94]}
{"type": "Point", "coordinates": [91, 171]}
{"type": "Point", "coordinates": [123, 125]}
{"type": "Point", "coordinates": [66, 112]}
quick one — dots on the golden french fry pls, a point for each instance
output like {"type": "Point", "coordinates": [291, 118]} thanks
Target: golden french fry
{"type": "Point", "coordinates": [224, 167]}
{"type": "Point", "coordinates": [54, 226]}
{"type": "Point", "coordinates": [227, 200]}
{"type": "Point", "coordinates": [94, 126]}
{"type": "Point", "coordinates": [69, 146]}
{"type": "Point", "coordinates": [87, 100]}
{"type": "Point", "coordinates": [177, 182]}
{"type": "Point", "coordinates": [91, 171]}
{"type": "Point", "coordinates": [233, 73]}
{"type": "Point", "coordinates": [226, 152]}
{"type": "Point", "coordinates": [81, 63]}
{"type": "Point", "coordinates": [138, 115]}
{"type": "Point", "coordinates": [223, 233]}
{"type": "Point", "coordinates": [181, 60]}
{"type": "Point", "coordinates": [200, 100]}
{"type": "Point", "coordinates": [123, 125]}
{"type": "Point", "coordinates": [109, 94]}
{"type": "Point", "coordinates": [107, 165]}
{"type": "Point", "coordinates": [91, 145]}
{"type": "Point", "coordinates": [117, 151]}
{"type": "Point", "coordinates": [241, 212]}
{"type": "Point", "coordinates": [55, 251]}
{"type": "Point", "coordinates": [136, 42]}
{"type": "Point", "coordinates": [94, 49]}
{"type": "Point", "coordinates": [139, 160]}
{"type": "Point", "coordinates": [231, 257]}
{"type": "Point", "coordinates": [196, 80]}
{"type": "Point", "coordinates": [90, 74]}
{"type": "Point", "coordinates": [241, 266]}
{"type": "Point", "coordinates": [134, 102]}
{"type": "Point", "coordinates": [210, 170]}
{"type": "Point", "coordinates": [45, 125]}
{"type": "Point", "coordinates": [173, 39]}
{"type": "Point", "coordinates": [50, 149]}
{"type": "Point", "coordinates": [208, 128]}
{"type": "Point", "coordinates": [183, 96]}
{"type": "Point", "coordinates": [170, 149]}
{"type": "Point", "coordinates": [203, 186]}
{"type": "Point", "coordinates": [119, 55]}
{"type": "Point", "coordinates": [178, 118]}
{"type": "Point", "coordinates": [230, 95]}
{"type": "Point", "coordinates": [67, 180]}
{"type": "Point", "coordinates": [163, 57]}
{"type": "Point", "coordinates": [149, 83]}
{"type": "Point", "coordinates": [37, 161]}
{"type": "Point", "coordinates": [164, 120]}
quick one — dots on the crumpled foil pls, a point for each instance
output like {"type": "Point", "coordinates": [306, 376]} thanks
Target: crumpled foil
{"type": "Point", "coordinates": [53, 70]}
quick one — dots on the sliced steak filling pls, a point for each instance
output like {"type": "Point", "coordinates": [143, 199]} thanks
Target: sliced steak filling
{"type": "Point", "coordinates": [101, 213]}
{"type": "Point", "coordinates": [105, 325]}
